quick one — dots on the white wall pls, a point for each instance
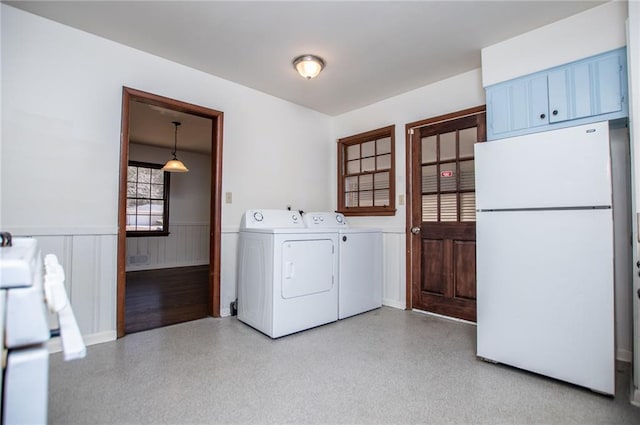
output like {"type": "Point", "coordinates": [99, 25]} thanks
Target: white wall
{"type": "Point", "coordinates": [61, 104]}
{"type": "Point", "coordinates": [450, 95]}
{"type": "Point", "coordinates": [189, 205]}
{"type": "Point", "coordinates": [593, 31]}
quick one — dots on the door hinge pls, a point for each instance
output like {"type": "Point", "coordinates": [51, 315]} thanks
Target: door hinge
{"type": "Point", "coordinates": [410, 132]}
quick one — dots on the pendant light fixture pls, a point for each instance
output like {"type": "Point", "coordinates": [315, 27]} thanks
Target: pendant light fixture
{"type": "Point", "coordinates": [308, 66]}
{"type": "Point", "coordinates": [175, 165]}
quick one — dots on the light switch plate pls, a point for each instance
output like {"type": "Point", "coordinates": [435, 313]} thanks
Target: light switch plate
{"type": "Point", "coordinates": [227, 198]}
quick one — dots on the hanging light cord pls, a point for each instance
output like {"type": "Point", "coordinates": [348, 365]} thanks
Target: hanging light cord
{"type": "Point", "coordinates": [175, 139]}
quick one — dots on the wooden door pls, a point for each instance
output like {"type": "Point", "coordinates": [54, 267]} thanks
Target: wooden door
{"type": "Point", "coordinates": [443, 247]}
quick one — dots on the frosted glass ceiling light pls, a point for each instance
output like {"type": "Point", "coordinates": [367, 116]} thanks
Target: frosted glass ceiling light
{"type": "Point", "coordinates": [175, 165]}
{"type": "Point", "coordinates": [308, 66]}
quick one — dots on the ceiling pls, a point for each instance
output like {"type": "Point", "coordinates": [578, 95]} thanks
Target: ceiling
{"type": "Point", "coordinates": [373, 49]}
{"type": "Point", "coordinates": [153, 125]}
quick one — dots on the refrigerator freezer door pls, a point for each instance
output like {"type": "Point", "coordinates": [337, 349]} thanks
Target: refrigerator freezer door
{"type": "Point", "coordinates": [569, 167]}
{"type": "Point", "coordinates": [545, 293]}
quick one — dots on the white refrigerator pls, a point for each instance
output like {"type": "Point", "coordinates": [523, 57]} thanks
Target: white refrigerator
{"type": "Point", "coordinates": [545, 293]}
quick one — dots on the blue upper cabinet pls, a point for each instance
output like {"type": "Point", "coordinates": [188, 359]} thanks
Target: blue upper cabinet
{"type": "Point", "coordinates": [589, 90]}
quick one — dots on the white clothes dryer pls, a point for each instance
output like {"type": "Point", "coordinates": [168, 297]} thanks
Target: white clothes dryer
{"type": "Point", "coordinates": [286, 273]}
{"type": "Point", "coordinates": [359, 264]}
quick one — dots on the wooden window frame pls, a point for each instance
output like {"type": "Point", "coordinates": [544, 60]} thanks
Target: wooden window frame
{"type": "Point", "coordinates": [358, 139]}
{"type": "Point", "coordinates": [165, 212]}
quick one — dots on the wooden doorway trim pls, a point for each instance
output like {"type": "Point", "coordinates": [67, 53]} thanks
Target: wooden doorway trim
{"type": "Point", "coordinates": [215, 221]}
{"type": "Point", "coordinates": [410, 216]}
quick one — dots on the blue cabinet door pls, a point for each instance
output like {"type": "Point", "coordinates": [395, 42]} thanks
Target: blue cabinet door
{"type": "Point", "coordinates": [570, 94]}
{"type": "Point", "coordinates": [518, 105]}
{"type": "Point", "coordinates": [606, 84]}
{"type": "Point", "coordinates": [538, 101]}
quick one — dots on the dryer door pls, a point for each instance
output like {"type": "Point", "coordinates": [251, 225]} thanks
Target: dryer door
{"type": "Point", "coordinates": [307, 267]}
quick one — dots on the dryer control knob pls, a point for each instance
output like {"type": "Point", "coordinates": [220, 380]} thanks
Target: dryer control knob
{"type": "Point", "coordinates": [339, 219]}
{"type": "Point", "coordinates": [258, 216]}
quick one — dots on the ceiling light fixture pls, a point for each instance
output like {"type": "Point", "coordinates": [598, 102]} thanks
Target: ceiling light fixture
{"type": "Point", "coordinates": [175, 165]}
{"type": "Point", "coordinates": [308, 66]}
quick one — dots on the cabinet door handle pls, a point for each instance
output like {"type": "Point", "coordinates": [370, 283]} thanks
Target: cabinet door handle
{"type": "Point", "coordinates": [542, 116]}
{"type": "Point", "coordinates": [555, 112]}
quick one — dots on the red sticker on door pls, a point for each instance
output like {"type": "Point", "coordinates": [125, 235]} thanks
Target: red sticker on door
{"type": "Point", "coordinates": [446, 173]}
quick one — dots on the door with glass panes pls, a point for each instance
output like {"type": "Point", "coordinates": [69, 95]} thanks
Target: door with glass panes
{"type": "Point", "coordinates": [443, 216]}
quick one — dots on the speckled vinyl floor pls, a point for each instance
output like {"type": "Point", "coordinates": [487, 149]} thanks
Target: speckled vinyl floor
{"type": "Point", "coordinates": [387, 366]}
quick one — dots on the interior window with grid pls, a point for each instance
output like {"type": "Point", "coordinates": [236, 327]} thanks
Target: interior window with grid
{"type": "Point", "coordinates": [147, 200]}
{"type": "Point", "coordinates": [366, 173]}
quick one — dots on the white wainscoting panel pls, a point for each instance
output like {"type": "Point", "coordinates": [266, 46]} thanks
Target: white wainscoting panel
{"type": "Point", "coordinates": [228, 270]}
{"type": "Point", "coordinates": [186, 245]}
{"type": "Point", "coordinates": [89, 262]}
{"type": "Point", "coordinates": [393, 269]}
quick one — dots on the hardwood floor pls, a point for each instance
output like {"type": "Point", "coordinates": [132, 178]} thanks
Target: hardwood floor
{"type": "Point", "coordinates": [156, 298]}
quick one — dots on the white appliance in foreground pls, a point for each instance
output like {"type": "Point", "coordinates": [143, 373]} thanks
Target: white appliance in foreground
{"type": "Point", "coordinates": [286, 273]}
{"type": "Point", "coordinates": [359, 264]}
{"type": "Point", "coordinates": [545, 292]}
{"type": "Point", "coordinates": [27, 287]}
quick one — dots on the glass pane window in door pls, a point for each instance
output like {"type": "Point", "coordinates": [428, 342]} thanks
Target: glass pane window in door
{"type": "Point", "coordinates": [448, 146]}
{"type": "Point", "coordinates": [429, 149]}
{"type": "Point", "coordinates": [468, 206]}
{"type": "Point", "coordinates": [449, 207]}
{"type": "Point", "coordinates": [448, 177]}
{"type": "Point", "coordinates": [467, 175]}
{"type": "Point", "coordinates": [429, 207]}
{"type": "Point", "coordinates": [429, 178]}
{"type": "Point", "coordinates": [468, 137]}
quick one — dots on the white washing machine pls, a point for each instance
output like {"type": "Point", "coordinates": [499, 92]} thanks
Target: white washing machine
{"type": "Point", "coordinates": [359, 264]}
{"type": "Point", "coordinates": [287, 274]}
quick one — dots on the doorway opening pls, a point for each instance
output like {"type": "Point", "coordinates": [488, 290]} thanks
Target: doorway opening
{"type": "Point", "coordinates": [132, 98]}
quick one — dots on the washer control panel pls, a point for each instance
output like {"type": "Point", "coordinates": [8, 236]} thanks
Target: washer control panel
{"type": "Point", "coordinates": [272, 219]}
{"type": "Point", "coordinates": [330, 220]}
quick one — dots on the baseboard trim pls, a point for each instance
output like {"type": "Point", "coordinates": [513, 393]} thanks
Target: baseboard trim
{"type": "Point", "coordinates": [55, 344]}
{"type": "Point", "coordinates": [393, 303]}
{"type": "Point", "coordinates": [440, 316]}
